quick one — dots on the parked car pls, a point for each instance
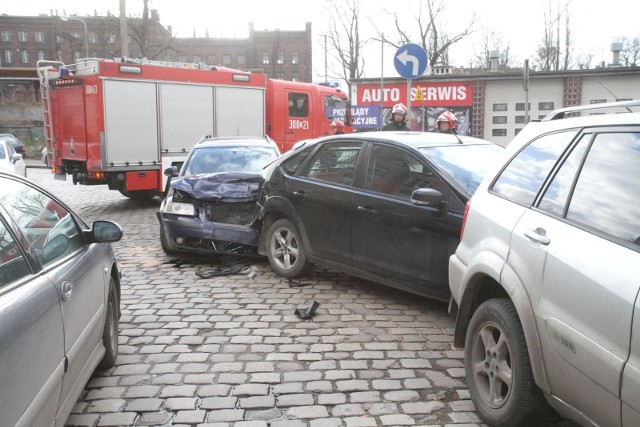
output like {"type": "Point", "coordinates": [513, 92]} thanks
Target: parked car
{"type": "Point", "coordinates": [10, 160]}
{"type": "Point", "coordinates": [546, 278]}
{"type": "Point", "coordinates": [385, 206]}
{"type": "Point", "coordinates": [211, 204]}
{"type": "Point", "coordinates": [18, 146]}
{"type": "Point", "coordinates": [59, 303]}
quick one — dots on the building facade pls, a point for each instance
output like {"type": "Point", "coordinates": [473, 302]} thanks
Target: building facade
{"type": "Point", "coordinates": [491, 105]}
{"type": "Point", "coordinates": [24, 40]}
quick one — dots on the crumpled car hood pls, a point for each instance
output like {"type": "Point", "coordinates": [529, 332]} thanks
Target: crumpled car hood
{"type": "Point", "coordinates": [218, 187]}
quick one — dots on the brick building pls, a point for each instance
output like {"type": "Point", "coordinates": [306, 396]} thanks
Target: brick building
{"type": "Point", "coordinates": [24, 40]}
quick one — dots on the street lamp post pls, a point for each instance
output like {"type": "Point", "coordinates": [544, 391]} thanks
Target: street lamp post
{"type": "Point", "coordinates": [86, 33]}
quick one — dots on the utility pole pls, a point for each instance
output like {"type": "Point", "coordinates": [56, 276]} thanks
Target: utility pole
{"type": "Point", "coordinates": [124, 33]}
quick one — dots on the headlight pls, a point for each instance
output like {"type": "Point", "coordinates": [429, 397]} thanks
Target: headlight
{"type": "Point", "coordinates": [171, 207]}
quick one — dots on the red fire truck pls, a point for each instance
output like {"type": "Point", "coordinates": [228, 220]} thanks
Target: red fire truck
{"type": "Point", "coordinates": [123, 122]}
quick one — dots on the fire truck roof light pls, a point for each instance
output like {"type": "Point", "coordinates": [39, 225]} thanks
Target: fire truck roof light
{"type": "Point", "coordinates": [241, 77]}
{"type": "Point", "coordinates": [130, 69]}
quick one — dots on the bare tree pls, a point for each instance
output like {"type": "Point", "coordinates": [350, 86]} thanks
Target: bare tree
{"type": "Point", "coordinates": [343, 39]}
{"type": "Point", "coordinates": [490, 41]}
{"type": "Point", "coordinates": [630, 54]}
{"type": "Point", "coordinates": [432, 33]}
{"type": "Point", "coordinates": [551, 48]}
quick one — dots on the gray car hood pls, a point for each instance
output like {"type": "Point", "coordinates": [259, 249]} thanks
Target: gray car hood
{"type": "Point", "coordinates": [222, 187]}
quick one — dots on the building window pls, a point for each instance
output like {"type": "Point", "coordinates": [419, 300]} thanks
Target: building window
{"type": "Point", "coordinates": [39, 37]}
{"type": "Point", "coordinates": [226, 60]}
{"type": "Point", "coordinates": [8, 56]}
{"type": "Point", "coordinates": [280, 57]}
{"type": "Point", "coordinates": [598, 101]}
{"type": "Point", "coordinates": [545, 106]}
{"type": "Point", "coordinates": [23, 36]}
{"type": "Point", "coordinates": [295, 58]}
{"type": "Point", "coordinates": [242, 60]}
{"type": "Point", "coordinates": [499, 132]}
{"type": "Point", "coordinates": [211, 60]}
{"type": "Point", "coordinates": [542, 116]}
{"type": "Point", "coordinates": [280, 75]}
{"type": "Point", "coordinates": [500, 107]}
{"type": "Point", "coordinates": [517, 131]}
{"type": "Point", "coordinates": [520, 106]}
{"type": "Point", "coordinates": [24, 56]}
{"type": "Point", "coordinates": [59, 38]}
{"type": "Point", "coordinates": [41, 55]}
{"type": "Point", "coordinates": [295, 76]}
{"type": "Point", "coordinates": [265, 57]}
{"type": "Point", "coordinates": [623, 99]}
{"type": "Point", "coordinates": [499, 120]}
{"type": "Point", "coordinates": [111, 39]}
{"type": "Point", "coordinates": [93, 38]}
{"type": "Point", "coordinates": [197, 59]}
{"type": "Point", "coordinates": [519, 119]}
{"type": "Point", "coordinates": [6, 36]}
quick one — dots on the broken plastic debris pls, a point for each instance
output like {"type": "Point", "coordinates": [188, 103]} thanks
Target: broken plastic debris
{"type": "Point", "coordinates": [307, 313]}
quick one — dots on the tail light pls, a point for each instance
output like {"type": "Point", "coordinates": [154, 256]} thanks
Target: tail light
{"type": "Point", "coordinates": [464, 218]}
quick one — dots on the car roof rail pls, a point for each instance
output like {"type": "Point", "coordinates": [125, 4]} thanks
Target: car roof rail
{"type": "Point", "coordinates": [567, 112]}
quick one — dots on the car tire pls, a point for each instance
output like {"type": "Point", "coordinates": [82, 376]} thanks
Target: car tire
{"type": "Point", "coordinates": [285, 250]}
{"type": "Point", "coordinates": [110, 331]}
{"type": "Point", "coordinates": [498, 368]}
{"type": "Point", "coordinates": [164, 242]}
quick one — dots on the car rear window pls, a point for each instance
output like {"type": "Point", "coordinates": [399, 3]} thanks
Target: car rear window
{"type": "Point", "coordinates": [467, 165]}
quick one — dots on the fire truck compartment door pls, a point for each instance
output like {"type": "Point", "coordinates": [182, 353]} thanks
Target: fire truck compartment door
{"type": "Point", "coordinates": [239, 111]}
{"type": "Point", "coordinates": [187, 115]}
{"type": "Point", "coordinates": [130, 122]}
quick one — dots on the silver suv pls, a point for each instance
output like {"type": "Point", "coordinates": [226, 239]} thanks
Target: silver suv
{"type": "Point", "coordinates": [546, 278]}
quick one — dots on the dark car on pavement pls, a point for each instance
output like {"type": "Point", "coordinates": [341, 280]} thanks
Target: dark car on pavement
{"type": "Point", "coordinates": [210, 206]}
{"type": "Point", "coordinates": [15, 142]}
{"type": "Point", "coordinates": [384, 206]}
{"type": "Point", "coordinates": [59, 303]}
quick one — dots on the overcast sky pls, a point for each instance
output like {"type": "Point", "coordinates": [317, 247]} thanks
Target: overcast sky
{"type": "Point", "coordinates": [594, 24]}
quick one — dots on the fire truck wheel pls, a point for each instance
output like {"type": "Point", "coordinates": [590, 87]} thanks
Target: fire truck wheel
{"type": "Point", "coordinates": [138, 194]}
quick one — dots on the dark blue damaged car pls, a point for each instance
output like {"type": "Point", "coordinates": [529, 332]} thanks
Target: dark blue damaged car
{"type": "Point", "coordinates": [210, 206]}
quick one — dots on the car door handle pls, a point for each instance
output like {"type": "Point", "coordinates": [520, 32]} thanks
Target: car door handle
{"type": "Point", "coordinates": [299, 194]}
{"type": "Point", "coordinates": [367, 210]}
{"type": "Point", "coordinates": [539, 235]}
{"type": "Point", "coordinates": [67, 290]}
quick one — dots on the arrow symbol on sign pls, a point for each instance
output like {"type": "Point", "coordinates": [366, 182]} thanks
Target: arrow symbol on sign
{"type": "Point", "coordinates": [404, 57]}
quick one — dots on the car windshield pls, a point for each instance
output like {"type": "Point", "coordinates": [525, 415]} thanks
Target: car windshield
{"type": "Point", "coordinates": [465, 164]}
{"type": "Point", "coordinates": [229, 159]}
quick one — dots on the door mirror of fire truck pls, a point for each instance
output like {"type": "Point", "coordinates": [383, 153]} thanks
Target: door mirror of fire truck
{"type": "Point", "coordinates": [171, 171]}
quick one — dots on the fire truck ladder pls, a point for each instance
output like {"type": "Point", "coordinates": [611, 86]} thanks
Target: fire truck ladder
{"type": "Point", "coordinates": [45, 71]}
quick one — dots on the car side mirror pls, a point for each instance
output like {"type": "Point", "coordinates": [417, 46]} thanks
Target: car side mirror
{"type": "Point", "coordinates": [15, 157]}
{"type": "Point", "coordinates": [430, 198]}
{"type": "Point", "coordinates": [105, 232]}
{"type": "Point", "coordinates": [171, 171]}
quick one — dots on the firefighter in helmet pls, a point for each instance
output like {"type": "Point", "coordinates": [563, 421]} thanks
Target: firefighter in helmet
{"type": "Point", "coordinates": [447, 122]}
{"type": "Point", "coordinates": [398, 118]}
{"type": "Point", "coordinates": [338, 127]}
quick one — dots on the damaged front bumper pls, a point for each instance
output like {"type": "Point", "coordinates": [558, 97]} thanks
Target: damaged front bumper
{"type": "Point", "coordinates": [191, 234]}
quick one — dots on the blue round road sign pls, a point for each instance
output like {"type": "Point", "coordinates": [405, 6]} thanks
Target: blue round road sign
{"type": "Point", "coordinates": [410, 61]}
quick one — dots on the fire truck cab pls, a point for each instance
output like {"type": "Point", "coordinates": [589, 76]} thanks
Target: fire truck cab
{"type": "Point", "coordinates": [123, 122]}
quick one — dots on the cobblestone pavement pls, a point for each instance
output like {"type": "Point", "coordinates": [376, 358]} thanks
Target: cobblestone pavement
{"type": "Point", "coordinates": [229, 350]}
